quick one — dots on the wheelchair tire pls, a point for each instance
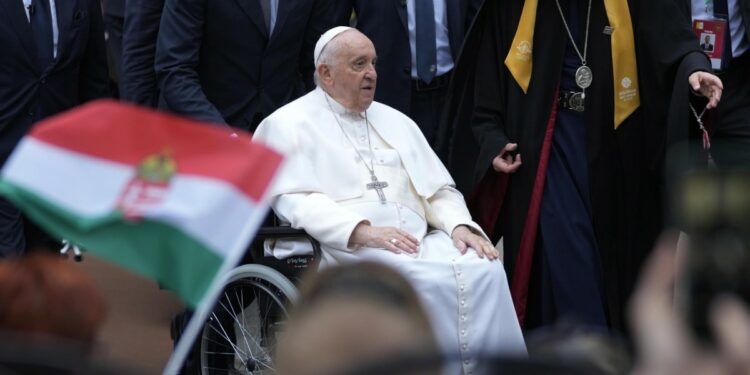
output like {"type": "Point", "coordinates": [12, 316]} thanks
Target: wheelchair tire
{"type": "Point", "coordinates": [240, 333]}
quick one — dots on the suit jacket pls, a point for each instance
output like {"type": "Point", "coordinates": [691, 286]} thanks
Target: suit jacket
{"type": "Point", "coordinates": [141, 28]}
{"type": "Point", "coordinates": [216, 62]}
{"type": "Point", "coordinates": [385, 23]}
{"type": "Point", "coordinates": [28, 92]}
{"type": "Point", "coordinates": [113, 12]}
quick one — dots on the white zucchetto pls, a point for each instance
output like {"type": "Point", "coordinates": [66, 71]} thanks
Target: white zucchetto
{"type": "Point", "coordinates": [325, 38]}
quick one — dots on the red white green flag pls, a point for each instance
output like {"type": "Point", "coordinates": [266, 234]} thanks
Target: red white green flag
{"type": "Point", "coordinates": [172, 199]}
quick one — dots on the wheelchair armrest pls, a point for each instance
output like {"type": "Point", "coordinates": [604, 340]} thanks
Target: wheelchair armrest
{"type": "Point", "coordinates": [285, 231]}
{"type": "Point", "coordinates": [280, 231]}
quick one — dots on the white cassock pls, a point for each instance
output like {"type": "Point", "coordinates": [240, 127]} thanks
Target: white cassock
{"type": "Point", "coordinates": [322, 189]}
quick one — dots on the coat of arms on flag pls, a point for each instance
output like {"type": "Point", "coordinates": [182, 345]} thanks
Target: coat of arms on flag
{"type": "Point", "coordinates": [149, 185]}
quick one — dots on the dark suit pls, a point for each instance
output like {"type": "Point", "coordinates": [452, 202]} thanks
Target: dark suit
{"type": "Point", "coordinates": [30, 92]}
{"type": "Point", "coordinates": [730, 122]}
{"type": "Point", "coordinates": [113, 14]}
{"type": "Point", "coordinates": [385, 23]}
{"type": "Point", "coordinates": [139, 85]}
{"type": "Point", "coordinates": [215, 61]}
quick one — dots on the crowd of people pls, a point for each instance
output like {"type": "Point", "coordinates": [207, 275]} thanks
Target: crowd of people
{"type": "Point", "coordinates": [510, 159]}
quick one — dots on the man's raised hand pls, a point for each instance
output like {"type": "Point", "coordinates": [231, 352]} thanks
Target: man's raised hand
{"type": "Point", "coordinates": [504, 162]}
{"type": "Point", "coordinates": [707, 85]}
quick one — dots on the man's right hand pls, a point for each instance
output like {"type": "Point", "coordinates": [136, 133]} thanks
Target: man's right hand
{"type": "Point", "coordinates": [504, 162]}
{"type": "Point", "coordinates": [388, 238]}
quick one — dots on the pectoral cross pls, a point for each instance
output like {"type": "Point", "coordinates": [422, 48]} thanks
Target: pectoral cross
{"type": "Point", "coordinates": [378, 186]}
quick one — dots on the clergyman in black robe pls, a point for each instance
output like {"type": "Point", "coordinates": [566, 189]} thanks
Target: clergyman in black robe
{"type": "Point", "coordinates": [581, 205]}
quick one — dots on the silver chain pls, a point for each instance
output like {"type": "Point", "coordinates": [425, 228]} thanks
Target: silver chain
{"type": "Point", "coordinates": [698, 117]}
{"type": "Point", "coordinates": [371, 167]}
{"type": "Point", "coordinates": [572, 41]}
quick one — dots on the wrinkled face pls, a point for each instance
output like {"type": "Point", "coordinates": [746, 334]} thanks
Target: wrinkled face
{"type": "Point", "coordinates": [351, 80]}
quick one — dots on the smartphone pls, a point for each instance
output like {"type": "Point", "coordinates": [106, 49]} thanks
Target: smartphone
{"type": "Point", "coordinates": [714, 209]}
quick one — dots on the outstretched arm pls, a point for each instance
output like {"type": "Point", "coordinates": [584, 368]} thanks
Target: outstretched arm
{"type": "Point", "coordinates": [141, 28]}
{"type": "Point", "coordinates": [94, 77]}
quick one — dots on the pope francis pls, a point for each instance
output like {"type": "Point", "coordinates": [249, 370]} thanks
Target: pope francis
{"type": "Point", "coordinates": [362, 180]}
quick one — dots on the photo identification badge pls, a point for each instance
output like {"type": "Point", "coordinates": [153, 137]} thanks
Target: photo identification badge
{"type": "Point", "coordinates": [711, 34]}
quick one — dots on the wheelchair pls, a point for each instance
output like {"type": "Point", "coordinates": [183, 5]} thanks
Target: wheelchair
{"type": "Point", "coordinates": [240, 334]}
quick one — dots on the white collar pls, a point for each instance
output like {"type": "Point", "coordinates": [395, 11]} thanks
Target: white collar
{"type": "Point", "coordinates": [338, 108]}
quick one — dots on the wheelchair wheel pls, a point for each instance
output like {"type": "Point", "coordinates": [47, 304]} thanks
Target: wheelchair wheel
{"type": "Point", "coordinates": [240, 333]}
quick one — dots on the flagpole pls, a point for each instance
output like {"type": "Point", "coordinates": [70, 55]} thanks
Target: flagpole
{"type": "Point", "coordinates": [197, 321]}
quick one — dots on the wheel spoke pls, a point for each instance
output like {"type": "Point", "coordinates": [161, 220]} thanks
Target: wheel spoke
{"type": "Point", "coordinates": [253, 307]}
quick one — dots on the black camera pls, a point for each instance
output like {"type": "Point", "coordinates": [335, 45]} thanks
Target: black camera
{"type": "Point", "coordinates": [713, 208]}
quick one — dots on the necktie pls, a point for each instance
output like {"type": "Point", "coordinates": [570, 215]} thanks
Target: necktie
{"type": "Point", "coordinates": [624, 65]}
{"type": "Point", "coordinates": [41, 31]}
{"type": "Point", "coordinates": [424, 14]}
{"type": "Point", "coordinates": [265, 5]}
{"type": "Point", "coordinates": [721, 9]}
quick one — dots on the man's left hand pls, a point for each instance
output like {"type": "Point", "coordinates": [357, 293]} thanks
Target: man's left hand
{"type": "Point", "coordinates": [463, 238]}
{"type": "Point", "coordinates": [708, 85]}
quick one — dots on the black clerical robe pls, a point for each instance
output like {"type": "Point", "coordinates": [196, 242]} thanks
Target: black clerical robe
{"type": "Point", "coordinates": [488, 109]}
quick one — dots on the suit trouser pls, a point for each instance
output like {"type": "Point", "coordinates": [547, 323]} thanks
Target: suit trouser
{"type": "Point", "coordinates": [731, 131]}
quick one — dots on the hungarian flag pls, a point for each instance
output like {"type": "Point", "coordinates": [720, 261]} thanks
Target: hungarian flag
{"type": "Point", "coordinates": [172, 199]}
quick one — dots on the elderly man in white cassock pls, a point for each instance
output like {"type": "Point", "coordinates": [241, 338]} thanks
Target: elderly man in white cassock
{"type": "Point", "coordinates": [362, 180]}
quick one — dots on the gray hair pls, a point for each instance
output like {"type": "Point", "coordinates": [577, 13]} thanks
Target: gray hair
{"type": "Point", "coordinates": [328, 55]}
